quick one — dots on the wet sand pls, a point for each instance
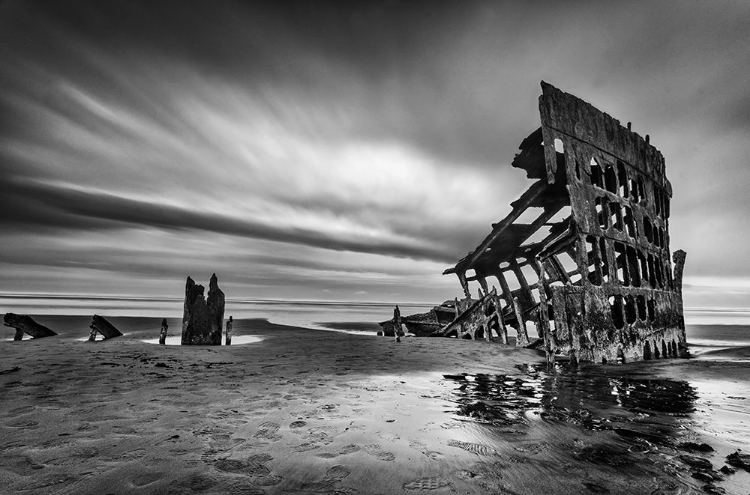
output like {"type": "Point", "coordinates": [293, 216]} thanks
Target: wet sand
{"type": "Point", "coordinates": [304, 411]}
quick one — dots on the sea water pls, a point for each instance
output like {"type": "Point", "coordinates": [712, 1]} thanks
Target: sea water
{"type": "Point", "coordinates": [706, 327]}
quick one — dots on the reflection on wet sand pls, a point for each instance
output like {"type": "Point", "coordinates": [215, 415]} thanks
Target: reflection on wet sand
{"type": "Point", "coordinates": [588, 397]}
{"type": "Point", "coordinates": [635, 422]}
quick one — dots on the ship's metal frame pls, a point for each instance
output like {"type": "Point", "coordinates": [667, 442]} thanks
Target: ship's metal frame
{"type": "Point", "coordinates": [583, 257]}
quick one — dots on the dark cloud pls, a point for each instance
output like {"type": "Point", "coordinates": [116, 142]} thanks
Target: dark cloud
{"type": "Point", "coordinates": [46, 205]}
{"type": "Point", "coordinates": [270, 109]}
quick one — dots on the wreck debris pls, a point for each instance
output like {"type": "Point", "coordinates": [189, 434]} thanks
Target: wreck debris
{"type": "Point", "coordinates": [389, 328]}
{"type": "Point", "coordinates": [422, 324]}
{"type": "Point", "coordinates": [25, 324]}
{"type": "Point", "coordinates": [397, 323]}
{"type": "Point", "coordinates": [202, 318]}
{"type": "Point", "coordinates": [477, 320]}
{"type": "Point", "coordinates": [163, 332]}
{"type": "Point", "coordinates": [101, 325]}
{"type": "Point", "coordinates": [583, 257]}
{"type": "Point", "coordinates": [229, 331]}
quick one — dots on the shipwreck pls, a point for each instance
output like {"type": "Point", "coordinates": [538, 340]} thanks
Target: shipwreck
{"type": "Point", "coordinates": [25, 324]}
{"type": "Point", "coordinates": [583, 258]}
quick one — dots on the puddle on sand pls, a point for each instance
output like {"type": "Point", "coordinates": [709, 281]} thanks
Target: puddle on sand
{"type": "Point", "coordinates": [594, 398]}
{"type": "Point", "coordinates": [636, 422]}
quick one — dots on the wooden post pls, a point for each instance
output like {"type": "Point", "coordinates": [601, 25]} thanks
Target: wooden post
{"type": "Point", "coordinates": [483, 283]}
{"type": "Point", "coordinates": [503, 327]}
{"type": "Point", "coordinates": [397, 323]}
{"type": "Point", "coordinates": [523, 337]}
{"type": "Point", "coordinates": [549, 338]}
{"type": "Point", "coordinates": [163, 332]}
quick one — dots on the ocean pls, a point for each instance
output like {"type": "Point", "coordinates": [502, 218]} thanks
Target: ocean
{"type": "Point", "coordinates": [705, 327]}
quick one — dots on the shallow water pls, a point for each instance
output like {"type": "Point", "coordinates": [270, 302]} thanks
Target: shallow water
{"type": "Point", "coordinates": [594, 398]}
{"type": "Point", "coordinates": [639, 415]}
{"type": "Point", "coordinates": [236, 340]}
{"type": "Point", "coordinates": [345, 316]}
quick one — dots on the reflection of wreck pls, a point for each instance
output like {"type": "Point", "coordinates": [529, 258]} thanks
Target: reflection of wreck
{"type": "Point", "coordinates": [583, 257]}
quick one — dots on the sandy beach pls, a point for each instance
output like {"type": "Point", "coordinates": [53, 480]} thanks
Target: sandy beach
{"type": "Point", "coordinates": [305, 411]}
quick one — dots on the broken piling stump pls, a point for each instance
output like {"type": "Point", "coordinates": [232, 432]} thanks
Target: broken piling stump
{"type": "Point", "coordinates": [229, 331]}
{"type": "Point", "coordinates": [101, 325]}
{"type": "Point", "coordinates": [202, 318]}
{"type": "Point", "coordinates": [397, 323]}
{"type": "Point", "coordinates": [163, 332]}
{"type": "Point", "coordinates": [26, 324]}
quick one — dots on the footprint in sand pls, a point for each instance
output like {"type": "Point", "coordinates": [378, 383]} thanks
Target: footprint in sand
{"type": "Point", "coordinates": [11, 445]}
{"type": "Point", "coordinates": [323, 434]}
{"type": "Point", "coordinates": [332, 476]}
{"type": "Point", "coordinates": [230, 465]}
{"type": "Point", "coordinates": [259, 460]}
{"type": "Point", "coordinates": [595, 487]}
{"type": "Point", "coordinates": [377, 452]}
{"type": "Point", "coordinates": [23, 466]}
{"type": "Point", "coordinates": [54, 480]}
{"type": "Point", "coordinates": [83, 453]}
{"type": "Point", "coordinates": [20, 410]}
{"type": "Point", "coordinates": [192, 483]}
{"type": "Point", "coordinates": [24, 424]}
{"type": "Point", "coordinates": [132, 455]}
{"type": "Point", "coordinates": [466, 474]}
{"type": "Point", "coordinates": [252, 466]}
{"type": "Point", "coordinates": [428, 483]}
{"type": "Point", "coordinates": [474, 448]}
{"type": "Point", "coordinates": [388, 437]}
{"type": "Point", "coordinates": [268, 431]}
{"type": "Point", "coordinates": [348, 449]}
{"type": "Point", "coordinates": [420, 447]}
{"type": "Point", "coordinates": [307, 446]}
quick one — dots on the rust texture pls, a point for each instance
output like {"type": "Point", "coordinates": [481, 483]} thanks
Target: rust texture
{"type": "Point", "coordinates": [422, 324]}
{"type": "Point", "coordinates": [478, 320]}
{"type": "Point", "coordinates": [583, 258]}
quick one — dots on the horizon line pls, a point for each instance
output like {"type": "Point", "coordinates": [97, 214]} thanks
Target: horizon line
{"type": "Point", "coordinates": [117, 297]}
{"type": "Point", "coordinates": [339, 302]}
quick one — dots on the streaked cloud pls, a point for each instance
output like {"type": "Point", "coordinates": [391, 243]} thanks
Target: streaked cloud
{"type": "Point", "coordinates": [332, 149]}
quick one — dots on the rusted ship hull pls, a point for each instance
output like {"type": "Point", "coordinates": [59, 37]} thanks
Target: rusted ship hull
{"type": "Point", "coordinates": [584, 255]}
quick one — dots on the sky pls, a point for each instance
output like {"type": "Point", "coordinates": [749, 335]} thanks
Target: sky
{"type": "Point", "coordinates": [342, 150]}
